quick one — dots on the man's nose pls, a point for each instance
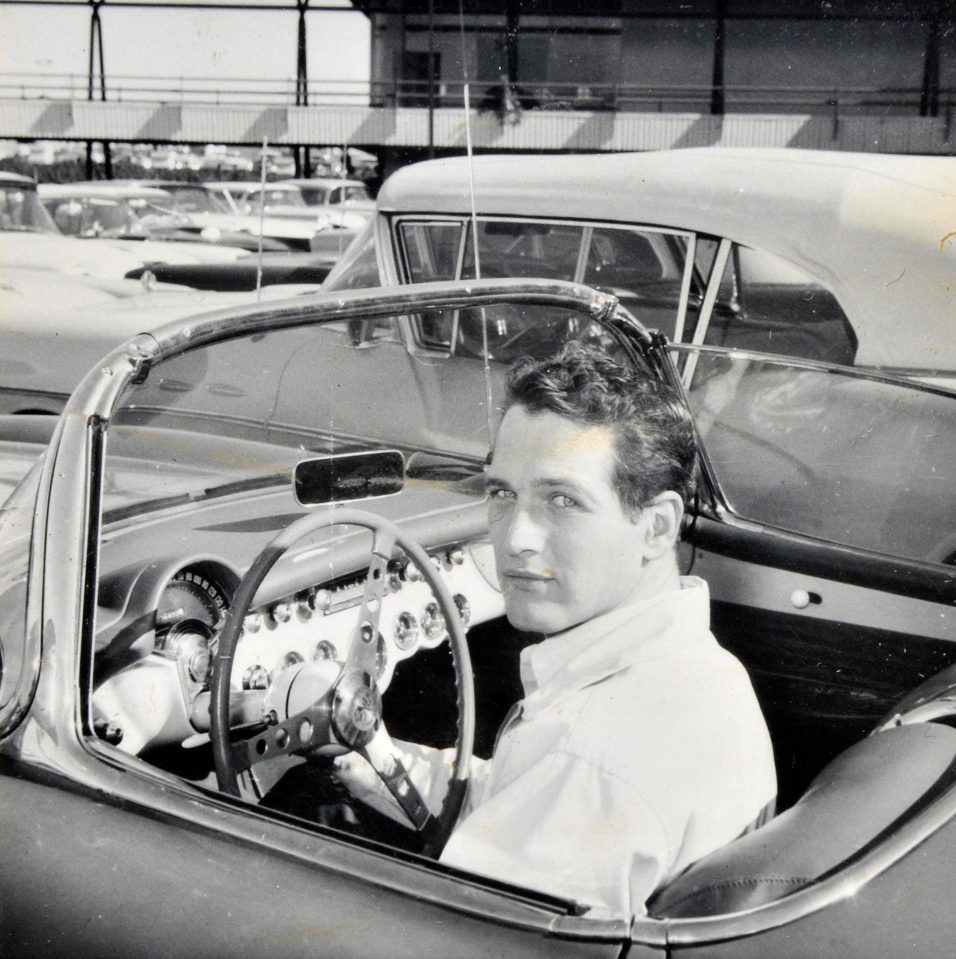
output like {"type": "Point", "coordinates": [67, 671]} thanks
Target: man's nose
{"type": "Point", "coordinates": [525, 534]}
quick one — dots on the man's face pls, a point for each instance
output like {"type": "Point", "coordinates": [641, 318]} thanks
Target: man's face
{"type": "Point", "coordinates": [566, 549]}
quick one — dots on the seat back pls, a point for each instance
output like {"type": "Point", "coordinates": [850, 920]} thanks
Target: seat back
{"type": "Point", "coordinates": [853, 803]}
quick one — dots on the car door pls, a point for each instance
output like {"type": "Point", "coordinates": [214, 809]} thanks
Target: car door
{"type": "Point", "coordinates": [826, 529]}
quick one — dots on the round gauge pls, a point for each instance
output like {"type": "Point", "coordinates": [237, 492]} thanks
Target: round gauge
{"type": "Point", "coordinates": [188, 595]}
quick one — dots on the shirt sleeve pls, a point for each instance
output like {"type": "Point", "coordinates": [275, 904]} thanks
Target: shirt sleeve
{"type": "Point", "coordinates": [569, 829]}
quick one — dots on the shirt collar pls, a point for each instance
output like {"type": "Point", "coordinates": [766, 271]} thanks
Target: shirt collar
{"type": "Point", "coordinates": [602, 646]}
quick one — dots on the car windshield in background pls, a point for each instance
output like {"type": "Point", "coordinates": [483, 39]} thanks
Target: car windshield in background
{"type": "Point", "coordinates": [21, 211]}
{"type": "Point", "coordinates": [108, 217]}
{"type": "Point", "coordinates": [284, 197]}
{"type": "Point", "coordinates": [198, 200]}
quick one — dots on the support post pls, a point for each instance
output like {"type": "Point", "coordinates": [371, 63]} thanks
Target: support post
{"type": "Point", "coordinates": [717, 99]}
{"type": "Point", "coordinates": [96, 57]}
{"type": "Point", "coordinates": [302, 162]}
{"type": "Point", "coordinates": [431, 79]}
{"type": "Point", "coordinates": [929, 93]}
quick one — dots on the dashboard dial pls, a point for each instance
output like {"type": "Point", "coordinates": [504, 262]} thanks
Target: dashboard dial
{"type": "Point", "coordinates": [190, 596]}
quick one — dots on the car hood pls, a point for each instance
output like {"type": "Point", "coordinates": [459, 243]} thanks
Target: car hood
{"type": "Point", "coordinates": [65, 254]}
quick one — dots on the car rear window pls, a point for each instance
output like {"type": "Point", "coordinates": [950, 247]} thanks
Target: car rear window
{"type": "Point", "coordinates": [830, 453]}
{"type": "Point", "coordinates": [769, 305]}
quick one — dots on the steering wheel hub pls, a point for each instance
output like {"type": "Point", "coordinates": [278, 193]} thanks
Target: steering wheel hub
{"type": "Point", "coordinates": [356, 709]}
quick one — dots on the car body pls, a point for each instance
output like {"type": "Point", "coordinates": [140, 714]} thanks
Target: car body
{"type": "Point", "coordinates": [802, 252]}
{"type": "Point", "coordinates": [183, 574]}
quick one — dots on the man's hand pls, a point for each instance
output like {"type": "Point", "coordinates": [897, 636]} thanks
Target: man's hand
{"type": "Point", "coordinates": [427, 768]}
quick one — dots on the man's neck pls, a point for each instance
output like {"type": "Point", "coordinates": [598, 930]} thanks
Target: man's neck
{"type": "Point", "coordinates": [658, 576]}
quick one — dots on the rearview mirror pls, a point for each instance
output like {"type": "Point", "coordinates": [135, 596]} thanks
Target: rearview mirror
{"type": "Point", "coordinates": [348, 477]}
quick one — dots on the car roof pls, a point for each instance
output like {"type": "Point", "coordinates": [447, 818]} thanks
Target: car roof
{"type": "Point", "coordinates": [106, 190]}
{"type": "Point", "coordinates": [876, 229]}
{"type": "Point", "coordinates": [323, 181]}
{"type": "Point", "coordinates": [15, 179]}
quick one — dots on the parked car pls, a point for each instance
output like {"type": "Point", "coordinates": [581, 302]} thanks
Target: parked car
{"type": "Point", "coordinates": [137, 219]}
{"type": "Point", "coordinates": [346, 202]}
{"type": "Point", "coordinates": [847, 258]}
{"type": "Point", "coordinates": [346, 211]}
{"type": "Point", "coordinates": [38, 262]}
{"type": "Point", "coordinates": [184, 569]}
{"type": "Point", "coordinates": [209, 206]}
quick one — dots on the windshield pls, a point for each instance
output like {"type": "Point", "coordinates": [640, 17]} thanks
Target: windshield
{"type": "Point", "coordinates": [21, 211]}
{"type": "Point", "coordinates": [240, 414]}
{"type": "Point", "coordinates": [284, 197]}
{"type": "Point", "coordinates": [133, 217]}
{"type": "Point", "coordinates": [196, 200]}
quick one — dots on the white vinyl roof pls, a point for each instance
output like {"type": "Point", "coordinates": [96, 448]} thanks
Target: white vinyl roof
{"type": "Point", "coordinates": [879, 231]}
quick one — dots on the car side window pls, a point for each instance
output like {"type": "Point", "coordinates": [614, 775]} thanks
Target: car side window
{"type": "Point", "coordinates": [769, 305]}
{"type": "Point", "coordinates": [847, 458]}
{"type": "Point", "coordinates": [357, 268]}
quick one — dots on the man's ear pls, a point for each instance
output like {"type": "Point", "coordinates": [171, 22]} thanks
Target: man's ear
{"type": "Point", "coordinates": [663, 518]}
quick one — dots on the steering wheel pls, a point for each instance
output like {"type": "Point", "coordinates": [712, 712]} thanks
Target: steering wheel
{"type": "Point", "coordinates": [343, 712]}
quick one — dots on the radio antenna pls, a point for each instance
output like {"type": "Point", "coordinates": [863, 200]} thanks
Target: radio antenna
{"type": "Point", "coordinates": [262, 214]}
{"type": "Point", "coordinates": [469, 151]}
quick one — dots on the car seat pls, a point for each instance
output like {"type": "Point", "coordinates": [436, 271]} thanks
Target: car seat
{"type": "Point", "coordinates": [855, 802]}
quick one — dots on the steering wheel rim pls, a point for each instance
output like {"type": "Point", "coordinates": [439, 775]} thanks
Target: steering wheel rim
{"type": "Point", "coordinates": [351, 707]}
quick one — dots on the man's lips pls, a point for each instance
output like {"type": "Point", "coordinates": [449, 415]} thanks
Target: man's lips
{"type": "Point", "coordinates": [527, 579]}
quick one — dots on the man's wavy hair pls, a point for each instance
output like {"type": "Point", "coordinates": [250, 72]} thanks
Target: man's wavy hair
{"type": "Point", "coordinates": [655, 443]}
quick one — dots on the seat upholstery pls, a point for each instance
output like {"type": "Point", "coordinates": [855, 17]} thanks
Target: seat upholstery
{"type": "Point", "coordinates": [849, 805]}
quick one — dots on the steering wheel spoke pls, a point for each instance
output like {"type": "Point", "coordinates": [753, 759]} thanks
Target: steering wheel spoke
{"type": "Point", "coordinates": [383, 758]}
{"type": "Point", "coordinates": [363, 648]}
{"type": "Point", "coordinates": [306, 730]}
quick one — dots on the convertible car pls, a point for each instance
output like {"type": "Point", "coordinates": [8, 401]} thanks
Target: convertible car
{"type": "Point", "coordinates": [256, 537]}
{"type": "Point", "coordinates": [806, 253]}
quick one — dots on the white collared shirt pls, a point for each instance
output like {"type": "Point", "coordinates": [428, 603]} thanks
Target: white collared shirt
{"type": "Point", "coordinates": [639, 748]}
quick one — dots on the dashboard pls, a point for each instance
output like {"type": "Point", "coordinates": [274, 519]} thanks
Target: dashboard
{"type": "Point", "coordinates": [159, 620]}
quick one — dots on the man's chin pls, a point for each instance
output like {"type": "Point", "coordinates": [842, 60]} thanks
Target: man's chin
{"type": "Point", "coordinates": [536, 617]}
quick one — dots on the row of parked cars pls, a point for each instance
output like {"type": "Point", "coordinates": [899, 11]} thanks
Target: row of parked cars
{"type": "Point", "coordinates": [801, 302]}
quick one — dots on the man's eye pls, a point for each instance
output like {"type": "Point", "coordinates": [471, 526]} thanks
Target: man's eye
{"type": "Point", "coordinates": [500, 494]}
{"type": "Point", "coordinates": [563, 501]}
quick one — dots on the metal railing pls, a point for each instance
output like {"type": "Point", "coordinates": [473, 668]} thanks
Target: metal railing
{"type": "Point", "coordinates": [897, 101]}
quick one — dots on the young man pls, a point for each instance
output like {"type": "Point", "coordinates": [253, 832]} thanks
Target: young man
{"type": "Point", "coordinates": [639, 746]}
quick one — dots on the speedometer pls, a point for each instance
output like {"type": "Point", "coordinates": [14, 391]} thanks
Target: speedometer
{"type": "Point", "coordinates": [190, 596]}
{"type": "Point", "coordinates": [188, 616]}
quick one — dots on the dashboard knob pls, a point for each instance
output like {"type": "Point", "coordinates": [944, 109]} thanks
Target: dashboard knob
{"type": "Point", "coordinates": [282, 612]}
{"type": "Point", "coordinates": [406, 631]}
{"type": "Point", "coordinates": [433, 623]}
{"type": "Point", "coordinates": [464, 609]}
{"type": "Point", "coordinates": [255, 677]}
